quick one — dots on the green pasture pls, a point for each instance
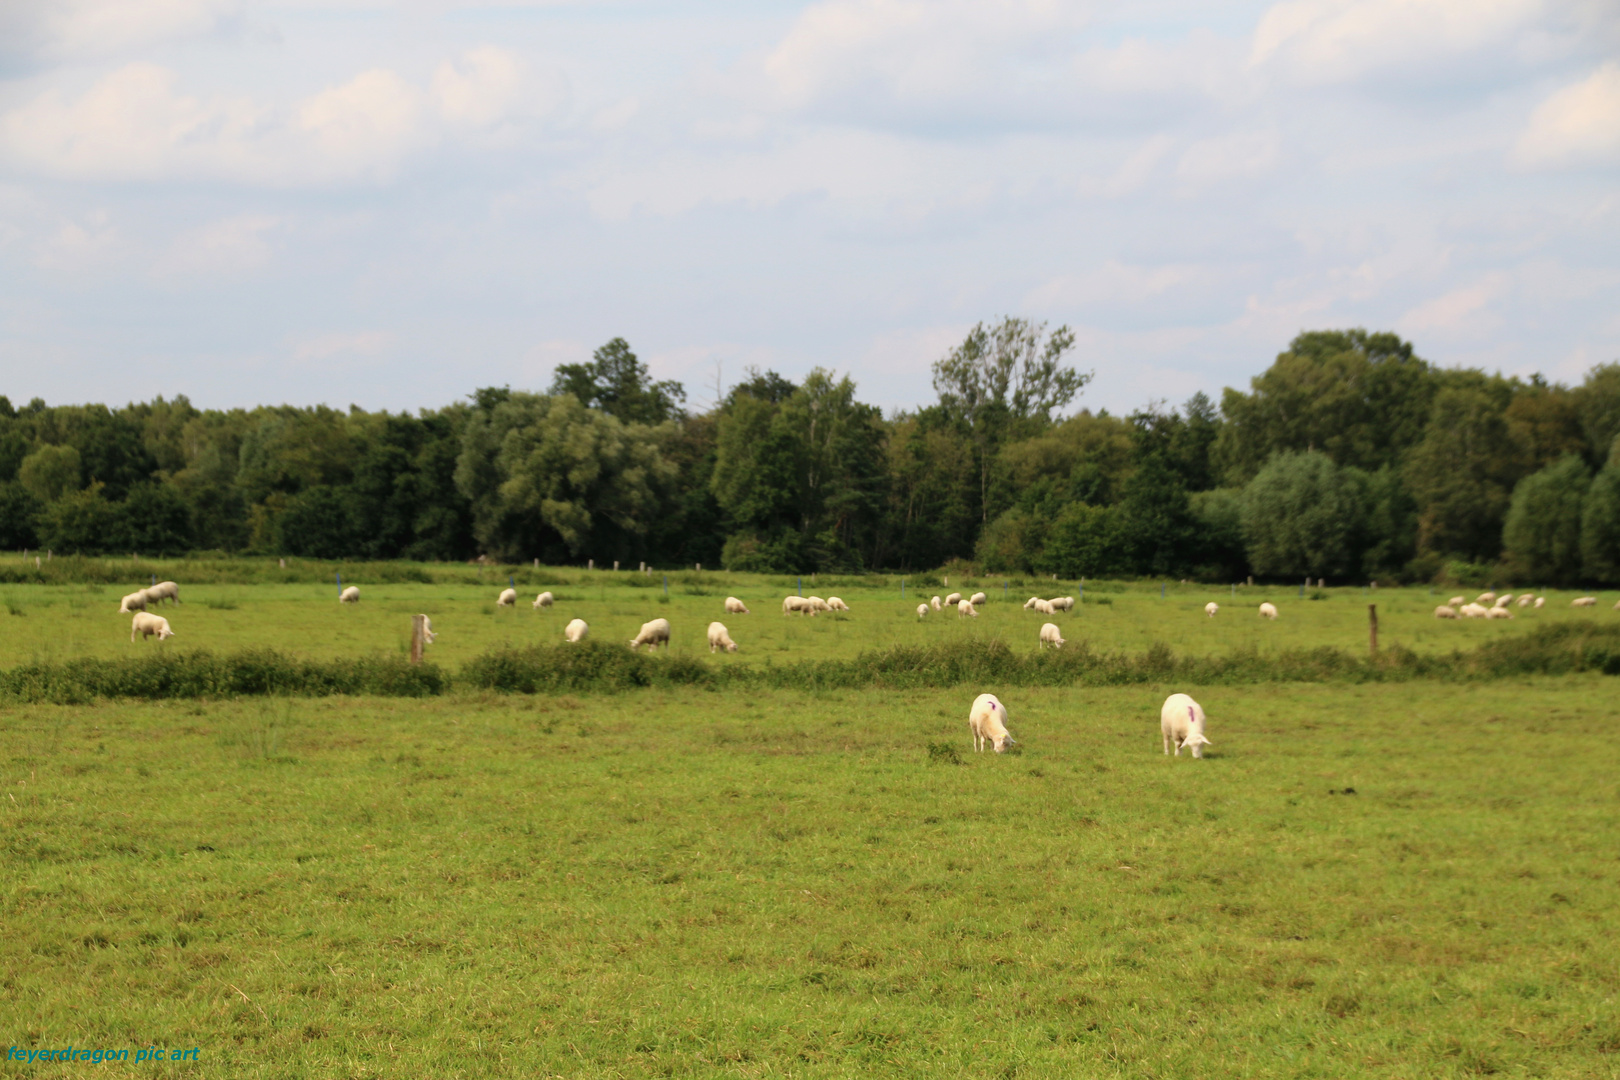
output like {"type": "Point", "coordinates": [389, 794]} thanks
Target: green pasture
{"type": "Point", "coordinates": [1358, 881]}
{"type": "Point", "coordinates": [61, 621]}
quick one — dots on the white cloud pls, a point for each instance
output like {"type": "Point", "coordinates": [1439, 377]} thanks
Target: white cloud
{"type": "Point", "coordinates": [327, 348]}
{"type": "Point", "coordinates": [362, 128]}
{"type": "Point", "coordinates": [1115, 284]}
{"type": "Point", "coordinates": [1578, 124]}
{"type": "Point", "coordinates": [228, 246]}
{"type": "Point", "coordinates": [62, 29]}
{"type": "Point", "coordinates": [482, 90]}
{"type": "Point", "coordinates": [1461, 312]}
{"type": "Point", "coordinates": [1238, 156]}
{"type": "Point", "coordinates": [80, 246]}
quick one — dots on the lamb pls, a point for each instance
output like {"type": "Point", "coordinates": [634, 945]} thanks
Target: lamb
{"type": "Point", "coordinates": [1524, 601]}
{"type": "Point", "coordinates": [1051, 635]}
{"type": "Point", "coordinates": [988, 720]}
{"type": "Point", "coordinates": [718, 638]}
{"type": "Point", "coordinates": [965, 607]}
{"type": "Point", "coordinates": [508, 598]}
{"type": "Point", "coordinates": [1031, 602]}
{"type": "Point", "coordinates": [922, 610]}
{"type": "Point", "coordinates": [135, 601]}
{"type": "Point", "coordinates": [164, 590]}
{"type": "Point", "coordinates": [351, 595]}
{"type": "Point", "coordinates": [1456, 601]}
{"type": "Point", "coordinates": [953, 599]}
{"type": "Point", "coordinates": [978, 598]}
{"type": "Point", "coordinates": [835, 604]}
{"type": "Point", "coordinates": [653, 634]}
{"type": "Point", "coordinates": [575, 631]}
{"type": "Point", "coordinates": [1062, 603]}
{"type": "Point", "coordinates": [1182, 721]}
{"type": "Point", "coordinates": [936, 604]}
{"type": "Point", "coordinates": [1211, 608]}
{"type": "Point", "coordinates": [735, 606]}
{"type": "Point", "coordinates": [545, 599]}
{"type": "Point", "coordinates": [1485, 598]}
{"type": "Point", "coordinates": [146, 625]}
{"type": "Point", "coordinates": [1269, 610]}
{"type": "Point", "coordinates": [1445, 611]}
{"type": "Point", "coordinates": [1498, 613]}
{"type": "Point", "coordinates": [1583, 601]}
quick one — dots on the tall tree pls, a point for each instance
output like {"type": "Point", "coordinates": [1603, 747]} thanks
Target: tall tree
{"type": "Point", "coordinates": [619, 384]}
{"type": "Point", "coordinates": [1542, 535]}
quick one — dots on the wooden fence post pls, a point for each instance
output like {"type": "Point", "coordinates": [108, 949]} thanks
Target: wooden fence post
{"type": "Point", "coordinates": [417, 635]}
{"type": "Point", "coordinates": [1372, 629]}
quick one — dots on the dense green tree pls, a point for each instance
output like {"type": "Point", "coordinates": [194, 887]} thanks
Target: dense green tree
{"type": "Point", "coordinates": [619, 384]}
{"type": "Point", "coordinates": [51, 472]}
{"type": "Point", "coordinates": [1600, 526]}
{"type": "Point", "coordinates": [1463, 472]}
{"type": "Point", "coordinates": [18, 511]}
{"type": "Point", "coordinates": [1220, 554]}
{"type": "Point", "coordinates": [1302, 514]}
{"type": "Point", "coordinates": [1542, 535]}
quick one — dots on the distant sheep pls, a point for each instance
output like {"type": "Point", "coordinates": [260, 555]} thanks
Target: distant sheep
{"type": "Point", "coordinates": [1473, 611]}
{"type": "Point", "coordinates": [1062, 603]}
{"type": "Point", "coordinates": [1485, 598]}
{"type": "Point", "coordinates": [953, 599]}
{"type": "Point", "coordinates": [936, 603]}
{"type": "Point", "coordinates": [146, 625]}
{"type": "Point", "coordinates": [965, 608]}
{"type": "Point", "coordinates": [1269, 610]}
{"type": "Point", "coordinates": [1031, 602]}
{"type": "Point", "coordinates": [801, 604]}
{"type": "Point", "coordinates": [735, 606]}
{"type": "Point", "coordinates": [1445, 611]}
{"type": "Point", "coordinates": [1181, 721]}
{"type": "Point", "coordinates": [135, 601]}
{"type": "Point", "coordinates": [817, 603]}
{"type": "Point", "coordinates": [1051, 635]}
{"type": "Point", "coordinates": [1540, 600]}
{"type": "Point", "coordinates": [1456, 601]}
{"type": "Point", "coordinates": [923, 610]}
{"type": "Point", "coordinates": [164, 590]}
{"type": "Point", "coordinates": [576, 631]}
{"type": "Point", "coordinates": [988, 720]}
{"type": "Point", "coordinates": [508, 598]}
{"type": "Point", "coordinates": [978, 598]}
{"type": "Point", "coordinates": [1504, 600]}
{"type": "Point", "coordinates": [1498, 613]}
{"type": "Point", "coordinates": [545, 599]}
{"type": "Point", "coordinates": [1044, 607]}
{"type": "Point", "coordinates": [1211, 608]}
{"type": "Point", "coordinates": [1583, 601]}
{"type": "Point", "coordinates": [719, 638]}
{"type": "Point", "coordinates": [1524, 601]}
{"type": "Point", "coordinates": [351, 595]}
{"type": "Point", "coordinates": [653, 634]}
{"type": "Point", "coordinates": [835, 604]}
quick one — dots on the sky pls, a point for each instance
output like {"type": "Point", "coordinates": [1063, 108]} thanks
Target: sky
{"type": "Point", "coordinates": [392, 204]}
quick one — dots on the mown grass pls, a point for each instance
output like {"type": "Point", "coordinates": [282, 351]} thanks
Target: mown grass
{"type": "Point", "coordinates": [690, 883]}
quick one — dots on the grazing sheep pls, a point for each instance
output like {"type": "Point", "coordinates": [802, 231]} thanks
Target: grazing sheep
{"type": "Point", "coordinates": [922, 610]}
{"type": "Point", "coordinates": [817, 603]}
{"type": "Point", "coordinates": [1044, 607]}
{"type": "Point", "coordinates": [718, 638]}
{"type": "Point", "coordinates": [1456, 601]}
{"type": "Point", "coordinates": [1498, 613]}
{"type": "Point", "coordinates": [965, 607]}
{"type": "Point", "coordinates": [1211, 608]}
{"type": "Point", "coordinates": [508, 598]}
{"type": "Point", "coordinates": [545, 599]}
{"type": "Point", "coordinates": [1504, 600]}
{"type": "Point", "coordinates": [1051, 635]}
{"type": "Point", "coordinates": [575, 631]}
{"type": "Point", "coordinates": [1445, 611]}
{"type": "Point", "coordinates": [835, 604]}
{"type": "Point", "coordinates": [1524, 601]}
{"type": "Point", "coordinates": [1583, 601]}
{"type": "Point", "coordinates": [146, 625]}
{"type": "Point", "coordinates": [988, 720]}
{"type": "Point", "coordinates": [1062, 603]}
{"type": "Point", "coordinates": [936, 604]}
{"type": "Point", "coordinates": [351, 595]}
{"type": "Point", "coordinates": [135, 601]}
{"type": "Point", "coordinates": [1031, 602]}
{"type": "Point", "coordinates": [1539, 601]}
{"type": "Point", "coordinates": [164, 590]}
{"type": "Point", "coordinates": [953, 599]}
{"type": "Point", "coordinates": [1182, 721]}
{"type": "Point", "coordinates": [653, 634]}
{"type": "Point", "coordinates": [1473, 611]}
{"type": "Point", "coordinates": [1485, 598]}
{"type": "Point", "coordinates": [735, 606]}
{"type": "Point", "coordinates": [978, 598]}
{"type": "Point", "coordinates": [801, 604]}
{"type": "Point", "coordinates": [1269, 610]}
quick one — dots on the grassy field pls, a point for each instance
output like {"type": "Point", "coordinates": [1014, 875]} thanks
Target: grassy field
{"type": "Point", "coordinates": [55, 622]}
{"type": "Point", "coordinates": [1359, 881]}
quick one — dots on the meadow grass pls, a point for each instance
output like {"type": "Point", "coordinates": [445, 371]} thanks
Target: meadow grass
{"type": "Point", "coordinates": [1358, 881]}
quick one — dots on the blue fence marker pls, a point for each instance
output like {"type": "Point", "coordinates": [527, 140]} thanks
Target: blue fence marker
{"type": "Point", "coordinates": [340, 584]}
{"type": "Point", "coordinates": [801, 584]}
{"type": "Point", "coordinates": [154, 581]}
{"type": "Point", "coordinates": [902, 588]}
{"type": "Point", "coordinates": [510, 582]}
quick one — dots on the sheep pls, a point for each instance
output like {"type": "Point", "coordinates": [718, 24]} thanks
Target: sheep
{"type": "Point", "coordinates": [817, 603]}
{"type": "Point", "coordinates": [1051, 635]}
{"type": "Point", "coordinates": [1211, 608]}
{"type": "Point", "coordinates": [835, 604]}
{"type": "Point", "coordinates": [1445, 611]}
{"type": "Point", "coordinates": [1456, 601]}
{"type": "Point", "coordinates": [1182, 721]}
{"type": "Point", "coordinates": [922, 610]}
{"type": "Point", "coordinates": [936, 604]}
{"type": "Point", "coordinates": [735, 606]}
{"type": "Point", "coordinates": [1524, 601]}
{"type": "Point", "coordinates": [988, 720]}
{"type": "Point", "coordinates": [146, 625]}
{"type": "Point", "coordinates": [1044, 607]}
{"type": "Point", "coordinates": [953, 599]}
{"type": "Point", "coordinates": [1583, 601]}
{"type": "Point", "coordinates": [545, 599]}
{"type": "Point", "coordinates": [653, 634]}
{"type": "Point", "coordinates": [351, 595]}
{"type": "Point", "coordinates": [1485, 598]}
{"type": "Point", "coordinates": [800, 604]}
{"type": "Point", "coordinates": [1472, 611]}
{"type": "Point", "coordinates": [1062, 603]}
{"type": "Point", "coordinates": [508, 598]}
{"type": "Point", "coordinates": [1031, 602]}
{"type": "Point", "coordinates": [575, 631]}
{"type": "Point", "coordinates": [718, 638]}
{"type": "Point", "coordinates": [1504, 600]}
{"type": "Point", "coordinates": [1269, 610]}
{"type": "Point", "coordinates": [978, 598]}
{"type": "Point", "coordinates": [1539, 601]}
{"type": "Point", "coordinates": [965, 607]}
{"type": "Point", "coordinates": [1498, 613]}
{"type": "Point", "coordinates": [135, 601]}
{"type": "Point", "coordinates": [164, 590]}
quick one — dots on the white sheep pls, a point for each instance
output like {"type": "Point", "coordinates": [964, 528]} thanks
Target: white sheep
{"type": "Point", "coordinates": [1456, 601]}
{"type": "Point", "coordinates": [935, 602]}
{"type": "Point", "coordinates": [735, 606]}
{"type": "Point", "coordinates": [1051, 635]}
{"type": "Point", "coordinates": [1583, 601]}
{"type": "Point", "coordinates": [1044, 607]}
{"type": "Point", "coordinates": [817, 603]}
{"type": "Point", "coordinates": [545, 599]}
{"type": "Point", "coordinates": [146, 625]}
{"type": "Point", "coordinates": [1485, 598]}
{"type": "Point", "coordinates": [351, 595]}
{"type": "Point", "coordinates": [1498, 613]}
{"type": "Point", "coordinates": [835, 604]}
{"type": "Point", "coordinates": [988, 721]}
{"type": "Point", "coordinates": [653, 634]}
{"type": "Point", "coordinates": [1539, 601]}
{"type": "Point", "coordinates": [1211, 608]}
{"type": "Point", "coordinates": [953, 599]}
{"type": "Point", "coordinates": [575, 631]}
{"type": "Point", "coordinates": [1524, 601]}
{"type": "Point", "coordinates": [1504, 600]}
{"type": "Point", "coordinates": [1031, 602]}
{"type": "Point", "coordinates": [965, 607]}
{"type": "Point", "coordinates": [1473, 611]}
{"type": "Point", "coordinates": [135, 601]}
{"type": "Point", "coordinates": [164, 590]}
{"type": "Point", "coordinates": [978, 598]}
{"type": "Point", "coordinates": [922, 610]}
{"type": "Point", "coordinates": [1062, 603]}
{"type": "Point", "coordinates": [508, 598]}
{"type": "Point", "coordinates": [1181, 721]}
{"type": "Point", "coordinates": [1269, 610]}
{"type": "Point", "coordinates": [1445, 611]}
{"type": "Point", "coordinates": [718, 638]}
{"type": "Point", "coordinates": [801, 604]}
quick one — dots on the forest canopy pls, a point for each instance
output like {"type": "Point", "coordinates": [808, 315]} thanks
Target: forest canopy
{"type": "Point", "coordinates": [1350, 457]}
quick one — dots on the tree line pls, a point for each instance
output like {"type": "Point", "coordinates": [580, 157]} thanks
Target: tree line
{"type": "Point", "coordinates": [1349, 458]}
